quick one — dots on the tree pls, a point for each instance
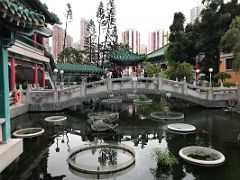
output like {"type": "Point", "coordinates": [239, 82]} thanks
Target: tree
{"type": "Point", "coordinates": [178, 40]}
{"type": "Point", "coordinates": [216, 18]}
{"type": "Point", "coordinates": [100, 17]}
{"type": "Point", "coordinates": [151, 69]}
{"type": "Point", "coordinates": [222, 76]}
{"type": "Point", "coordinates": [180, 70]}
{"type": "Point", "coordinates": [71, 56]}
{"type": "Point", "coordinates": [231, 42]}
{"type": "Point", "coordinates": [90, 41]}
{"type": "Point", "coordinates": [68, 19]}
{"type": "Point", "coordinates": [109, 22]}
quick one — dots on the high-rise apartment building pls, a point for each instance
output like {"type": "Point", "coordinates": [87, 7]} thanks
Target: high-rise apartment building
{"type": "Point", "coordinates": [132, 38]}
{"type": "Point", "coordinates": [143, 49]}
{"type": "Point", "coordinates": [57, 41]}
{"type": "Point", "coordinates": [83, 32]}
{"type": "Point", "coordinates": [157, 39]}
{"type": "Point", "coordinates": [195, 13]}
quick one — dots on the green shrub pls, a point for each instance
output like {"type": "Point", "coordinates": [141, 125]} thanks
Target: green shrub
{"type": "Point", "coordinates": [142, 97]}
{"type": "Point", "coordinates": [164, 158]}
{"type": "Point", "coordinates": [165, 110]}
{"type": "Point", "coordinates": [222, 76]}
{"type": "Point", "coordinates": [229, 84]}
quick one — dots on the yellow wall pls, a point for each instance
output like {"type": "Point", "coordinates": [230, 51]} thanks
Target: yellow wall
{"type": "Point", "coordinates": [235, 76]}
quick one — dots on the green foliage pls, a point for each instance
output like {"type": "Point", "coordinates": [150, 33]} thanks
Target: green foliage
{"type": "Point", "coordinates": [71, 56]}
{"type": "Point", "coordinates": [110, 28]}
{"type": "Point", "coordinates": [231, 41]}
{"type": "Point", "coordinates": [177, 39]}
{"type": "Point", "coordinates": [142, 97]}
{"type": "Point", "coordinates": [146, 110]}
{"type": "Point", "coordinates": [100, 17]}
{"type": "Point", "coordinates": [152, 69]}
{"type": "Point", "coordinates": [165, 109]}
{"type": "Point", "coordinates": [90, 41]}
{"type": "Point", "coordinates": [180, 70]}
{"type": "Point", "coordinates": [216, 18]}
{"type": "Point", "coordinates": [229, 84]}
{"type": "Point", "coordinates": [165, 159]}
{"type": "Point", "coordinates": [222, 76]}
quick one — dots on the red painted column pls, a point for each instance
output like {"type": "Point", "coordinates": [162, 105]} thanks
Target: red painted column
{"type": "Point", "coordinates": [43, 76]}
{"type": "Point", "coordinates": [137, 69]}
{"type": "Point", "coordinates": [197, 62]}
{"type": "Point", "coordinates": [42, 40]}
{"type": "Point", "coordinates": [34, 37]}
{"type": "Point", "coordinates": [35, 78]}
{"type": "Point", "coordinates": [12, 74]}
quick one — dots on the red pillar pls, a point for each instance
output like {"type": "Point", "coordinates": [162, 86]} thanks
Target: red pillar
{"type": "Point", "coordinates": [34, 37]}
{"type": "Point", "coordinates": [42, 40]}
{"type": "Point", "coordinates": [137, 69]}
{"type": "Point", "coordinates": [197, 62]}
{"type": "Point", "coordinates": [12, 74]}
{"type": "Point", "coordinates": [35, 78]}
{"type": "Point", "coordinates": [43, 76]}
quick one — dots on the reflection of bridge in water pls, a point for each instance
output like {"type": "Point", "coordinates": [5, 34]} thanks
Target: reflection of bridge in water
{"type": "Point", "coordinates": [61, 98]}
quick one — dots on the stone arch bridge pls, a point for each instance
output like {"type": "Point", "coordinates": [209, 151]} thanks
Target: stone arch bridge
{"type": "Point", "coordinates": [64, 97]}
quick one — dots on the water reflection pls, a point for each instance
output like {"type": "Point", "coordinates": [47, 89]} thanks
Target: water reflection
{"type": "Point", "coordinates": [45, 157]}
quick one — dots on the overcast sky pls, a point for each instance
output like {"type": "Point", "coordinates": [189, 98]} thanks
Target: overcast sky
{"type": "Point", "coordinates": [143, 15]}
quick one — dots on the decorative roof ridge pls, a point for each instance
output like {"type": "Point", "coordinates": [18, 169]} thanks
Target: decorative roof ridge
{"type": "Point", "coordinates": [12, 10]}
{"type": "Point", "coordinates": [158, 49]}
{"type": "Point", "coordinates": [52, 17]}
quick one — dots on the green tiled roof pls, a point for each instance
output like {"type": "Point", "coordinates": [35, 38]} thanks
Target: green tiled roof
{"type": "Point", "coordinates": [158, 53]}
{"type": "Point", "coordinates": [42, 8]}
{"type": "Point", "coordinates": [77, 68]}
{"type": "Point", "coordinates": [124, 56]}
{"type": "Point", "coordinates": [18, 15]}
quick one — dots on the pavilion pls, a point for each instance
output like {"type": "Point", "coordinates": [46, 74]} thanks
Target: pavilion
{"type": "Point", "coordinates": [158, 57]}
{"type": "Point", "coordinates": [123, 58]}
{"type": "Point", "coordinates": [77, 72]}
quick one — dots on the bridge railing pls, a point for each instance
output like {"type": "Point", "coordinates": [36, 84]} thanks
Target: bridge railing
{"type": "Point", "coordinates": [63, 94]}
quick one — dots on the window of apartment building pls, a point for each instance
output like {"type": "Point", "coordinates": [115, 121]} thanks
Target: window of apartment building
{"type": "Point", "coordinates": [229, 63]}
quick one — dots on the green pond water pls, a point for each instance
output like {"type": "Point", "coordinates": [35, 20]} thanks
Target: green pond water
{"type": "Point", "coordinates": [45, 157]}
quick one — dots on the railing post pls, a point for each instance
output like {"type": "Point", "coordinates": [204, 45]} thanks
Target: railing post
{"type": "Point", "coordinates": [134, 82]}
{"type": "Point", "coordinates": [210, 93]}
{"type": "Point", "coordinates": [28, 98]}
{"type": "Point", "coordinates": [55, 94]}
{"type": "Point", "coordinates": [83, 88]}
{"type": "Point", "coordinates": [160, 83]}
{"type": "Point", "coordinates": [238, 96]}
{"type": "Point", "coordinates": [109, 84]}
{"type": "Point", "coordinates": [185, 86]}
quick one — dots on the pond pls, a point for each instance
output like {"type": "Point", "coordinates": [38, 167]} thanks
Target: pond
{"type": "Point", "coordinates": [45, 157]}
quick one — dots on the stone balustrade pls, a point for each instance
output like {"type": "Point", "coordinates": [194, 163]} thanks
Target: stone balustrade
{"type": "Point", "coordinates": [63, 97]}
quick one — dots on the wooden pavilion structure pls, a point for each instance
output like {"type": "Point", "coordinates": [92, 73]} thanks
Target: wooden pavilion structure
{"type": "Point", "coordinates": [123, 57]}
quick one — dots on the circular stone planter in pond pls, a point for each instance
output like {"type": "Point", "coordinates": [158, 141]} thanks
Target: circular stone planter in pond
{"type": "Point", "coordinates": [167, 116]}
{"type": "Point", "coordinates": [181, 127]}
{"type": "Point", "coordinates": [112, 101]}
{"type": "Point", "coordinates": [28, 132]}
{"type": "Point", "coordinates": [139, 101]}
{"type": "Point", "coordinates": [55, 119]}
{"type": "Point", "coordinates": [202, 156]}
{"type": "Point", "coordinates": [85, 165]}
